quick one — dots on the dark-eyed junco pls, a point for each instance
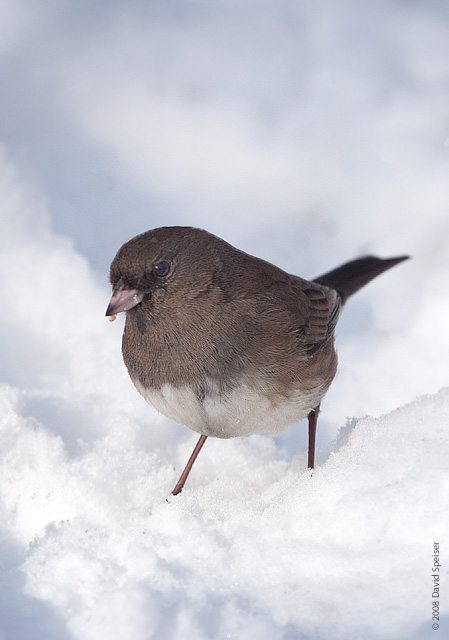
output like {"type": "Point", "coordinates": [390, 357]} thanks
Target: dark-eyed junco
{"type": "Point", "coordinates": [223, 342]}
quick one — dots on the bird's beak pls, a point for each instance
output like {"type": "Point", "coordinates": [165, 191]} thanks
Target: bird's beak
{"type": "Point", "coordinates": [123, 300]}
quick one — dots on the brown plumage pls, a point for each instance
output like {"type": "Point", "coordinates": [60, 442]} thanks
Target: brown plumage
{"type": "Point", "coordinates": [223, 342]}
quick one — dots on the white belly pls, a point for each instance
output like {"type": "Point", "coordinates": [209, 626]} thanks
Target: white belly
{"type": "Point", "coordinates": [241, 412]}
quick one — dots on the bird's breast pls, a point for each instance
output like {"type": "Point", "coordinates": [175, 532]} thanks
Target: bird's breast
{"type": "Point", "coordinates": [242, 411]}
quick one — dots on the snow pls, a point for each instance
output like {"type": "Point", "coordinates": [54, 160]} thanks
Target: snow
{"type": "Point", "coordinates": [307, 134]}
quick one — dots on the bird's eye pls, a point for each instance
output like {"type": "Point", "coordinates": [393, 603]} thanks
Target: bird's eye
{"type": "Point", "coordinates": [162, 269]}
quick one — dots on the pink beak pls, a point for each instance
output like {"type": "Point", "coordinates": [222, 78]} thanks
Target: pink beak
{"type": "Point", "coordinates": [123, 300]}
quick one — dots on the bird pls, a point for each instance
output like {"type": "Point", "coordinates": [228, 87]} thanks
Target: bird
{"type": "Point", "coordinates": [225, 343]}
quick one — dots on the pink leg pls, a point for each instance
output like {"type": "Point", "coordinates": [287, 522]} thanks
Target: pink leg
{"type": "Point", "coordinates": [181, 482]}
{"type": "Point", "coordinates": [313, 419]}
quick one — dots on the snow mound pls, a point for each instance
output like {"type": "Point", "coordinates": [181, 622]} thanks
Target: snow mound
{"type": "Point", "coordinates": [254, 548]}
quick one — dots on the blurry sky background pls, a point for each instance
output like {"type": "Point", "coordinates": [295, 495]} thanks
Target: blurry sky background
{"type": "Point", "coordinates": [304, 131]}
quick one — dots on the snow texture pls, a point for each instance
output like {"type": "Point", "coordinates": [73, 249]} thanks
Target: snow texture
{"type": "Point", "coordinates": [304, 133]}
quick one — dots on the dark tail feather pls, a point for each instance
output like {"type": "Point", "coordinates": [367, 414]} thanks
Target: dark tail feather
{"type": "Point", "coordinates": [352, 276]}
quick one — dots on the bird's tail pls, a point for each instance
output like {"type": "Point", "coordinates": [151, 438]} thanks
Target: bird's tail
{"type": "Point", "coordinates": [354, 275]}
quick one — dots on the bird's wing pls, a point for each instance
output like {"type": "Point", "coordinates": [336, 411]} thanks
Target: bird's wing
{"type": "Point", "coordinates": [306, 314]}
{"type": "Point", "coordinates": [324, 311]}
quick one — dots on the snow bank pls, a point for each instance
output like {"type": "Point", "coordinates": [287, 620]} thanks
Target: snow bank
{"type": "Point", "coordinates": [255, 547]}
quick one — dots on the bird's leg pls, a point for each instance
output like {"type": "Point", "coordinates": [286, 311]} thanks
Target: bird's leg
{"type": "Point", "coordinates": [181, 482]}
{"type": "Point", "coordinates": [313, 419]}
